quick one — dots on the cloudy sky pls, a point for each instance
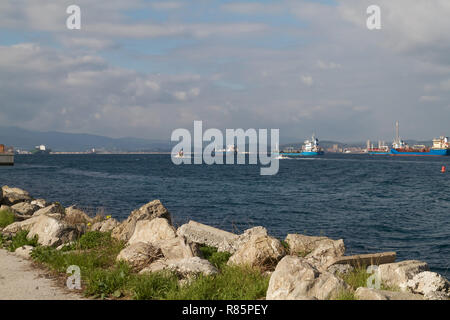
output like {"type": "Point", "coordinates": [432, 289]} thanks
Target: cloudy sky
{"type": "Point", "coordinates": [143, 68]}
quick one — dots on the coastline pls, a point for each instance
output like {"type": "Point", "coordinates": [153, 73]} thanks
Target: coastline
{"type": "Point", "coordinates": [196, 260]}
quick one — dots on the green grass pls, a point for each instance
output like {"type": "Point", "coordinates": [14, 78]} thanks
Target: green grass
{"type": "Point", "coordinates": [20, 239]}
{"type": "Point", "coordinates": [94, 239]}
{"type": "Point", "coordinates": [95, 254]}
{"type": "Point", "coordinates": [218, 259]}
{"type": "Point", "coordinates": [348, 294]}
{"type": "Point", "coordinates": [6, 218]}
{"type": "Point", "coordinates": [357, 277]}
{"type": "Point", "coordinates": [232, 283]}
{"type": "Point", "coordinates": [103, 277]}
{"type": "Point", "coordinates": [108, 282]}
{"type": "Point", "coordinates": [154, 286]}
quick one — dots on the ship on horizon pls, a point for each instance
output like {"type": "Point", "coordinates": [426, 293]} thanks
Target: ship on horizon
{"type": "Point", "coordinates": [309, 148]}
{"type": "Point", "coordinates": [440, 147]}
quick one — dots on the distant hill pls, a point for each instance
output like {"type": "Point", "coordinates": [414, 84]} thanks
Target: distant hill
{"type": "Point", "coordinates": [58, 141]}
{"type": "Point", "coordinates": [24, 139]}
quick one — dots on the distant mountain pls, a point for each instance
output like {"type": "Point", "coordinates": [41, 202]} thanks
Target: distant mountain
{"type": "Point", "coordinates": [58, 141]}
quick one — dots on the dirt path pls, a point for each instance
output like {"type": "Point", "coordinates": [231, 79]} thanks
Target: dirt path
{"type": "Point", "coordinates": [19, 280]}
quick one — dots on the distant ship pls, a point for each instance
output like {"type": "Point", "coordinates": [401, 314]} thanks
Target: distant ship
{"type": "Point", "coordinates": [41, 149]}
{"type": "Point", "coordinates": [230, 149]}
{"type": "Point", "coordinates": [400, 148]}
{"type": "Point", "coordinates": [309, 148]}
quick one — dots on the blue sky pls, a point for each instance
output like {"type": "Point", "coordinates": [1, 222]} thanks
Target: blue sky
{"type": "Point", "coordinates": [144, 68]}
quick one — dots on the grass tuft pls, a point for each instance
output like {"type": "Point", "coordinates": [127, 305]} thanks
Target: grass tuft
{"type": "Point", "coordinates": [154, 286]}
{"type": "Point", "coordinates": [20, 239]}
{"type": "Point", "coordinates": [218, 259]}
{"type": "Point", "coordinates": [94, 239]}
{"type": "Point", "coordinates": [6, 218]}
{"type": "Point", "coordinates": [357, 277]}
{"type": "Point", "coordinates": [232, 283]}
{"type": "Point", "coordinates": [348, 294]}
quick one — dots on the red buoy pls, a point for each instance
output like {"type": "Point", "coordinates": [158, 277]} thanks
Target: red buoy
{"type": "Point", "coordinates": [443, 169]}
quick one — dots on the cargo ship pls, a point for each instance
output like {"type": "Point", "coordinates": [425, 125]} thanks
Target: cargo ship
{"type": "Point", "coordinates": [41, 149]}
{"type": "Point", "coordinates": [400, 148]}
{"type": "Point", "coordinates": [309, 148]}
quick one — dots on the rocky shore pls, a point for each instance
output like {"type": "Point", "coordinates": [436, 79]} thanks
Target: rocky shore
{"type": "Point", "coordinates": [300, 267]}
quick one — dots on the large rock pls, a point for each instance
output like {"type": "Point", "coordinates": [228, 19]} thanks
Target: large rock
{"type": "Point", "coordinates": [105, 225]}
{"type": "Point", "coordinates": [183, 267]}
{"type": "Point", "coordinates": [24, 251]}
{"type": "Point", "coordinates": [152, 231]}
{"type": "Point", "coordinates": [340, 269]}
{"type": "Point", "coordinates": [296, 279]}
{"type": "Point", "coordinates": [178, 248]}
{"type": "Point", "coordinates": [11, 196]}
{"type": "Point", "coordinates": [429, 284]}
{"type": "Point", "coordinates": [325, 253]}
{"type": "Point", "coordinates": [50, 231]}
{"type": "Point", "coordinates": [25, 208]}
{"type": "Point", "coordinates": [139, 255]}
{"type": "Point", "coordinates": [74, 215]}
{"type": "Point", "coordinates": [233, 244]}
{"type": "Point", "coordinates": [15, 227]}
{"type": "Point", "coordinates": [206, 235]}
{"type": "Point", "coordinates": [55, 210]}
{"type": "Point", "coordinates": [41, 203]}
{"type": "Point", "coordinates": [150, 211]}
{"type": "Point", "coordinates": [374, 294]}
{"type": "Point", "coordinates": [260, 251]}
{"type": "Point", "coordinates": [361, 260]}
{"type": "Point", "coordinates": [397, 274]}
{"type": "Point", "coordinates": [301, 245]}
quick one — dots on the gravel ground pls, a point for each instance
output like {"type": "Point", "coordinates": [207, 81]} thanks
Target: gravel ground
{"type": "Point", "coordinates": [20, 281]}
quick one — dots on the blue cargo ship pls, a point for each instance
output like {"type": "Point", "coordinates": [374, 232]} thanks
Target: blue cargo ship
{"type": "Point", "coordinates": [309, 148]}
{"type": "Point", "coordinates": [440, 147]}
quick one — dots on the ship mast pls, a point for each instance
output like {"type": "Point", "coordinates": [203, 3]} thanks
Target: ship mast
{"type": "Point", "coordinates": [397, 137]}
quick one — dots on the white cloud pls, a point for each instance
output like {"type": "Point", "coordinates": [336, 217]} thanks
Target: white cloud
{"type": "Point", "coordinates": [328, 65]}
{"type": "Point", "coordinates": [307, 80]}
{"type": "Point", "coordinates": [429, 98]}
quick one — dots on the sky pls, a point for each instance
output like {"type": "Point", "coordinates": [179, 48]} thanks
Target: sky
{"type": "Point", "coordinates": [144, 68]}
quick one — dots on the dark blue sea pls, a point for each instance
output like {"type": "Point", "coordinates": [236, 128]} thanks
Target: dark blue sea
{"type": "Point", "coordinates": [374, 203]}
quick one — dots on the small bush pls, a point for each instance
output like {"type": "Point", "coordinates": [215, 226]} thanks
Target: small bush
{"type": "Point", "coordinates": [20, 239]}
{"type": "Point", "coordinates": [218, 259]}
{"type": "Point", "coordinates": [6, 218]}
{"type": "Point", "coordinates": [357, 278]}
